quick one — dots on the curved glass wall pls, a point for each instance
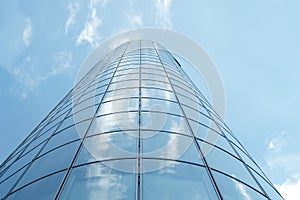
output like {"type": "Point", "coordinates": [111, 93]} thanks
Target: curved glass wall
{"type": "Point", "coordinates": [135, 127]}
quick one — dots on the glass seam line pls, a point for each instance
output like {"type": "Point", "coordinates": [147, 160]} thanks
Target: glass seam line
{"type": "Point", "coordinates": [83, 139]}
{"type": "Point", "coordinates": [138, 189]}
{"type": "Point", "coordinates": [195, 142]}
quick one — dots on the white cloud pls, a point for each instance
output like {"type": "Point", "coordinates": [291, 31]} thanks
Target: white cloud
{"type": "Point", "coordinates": [285, 162]}
{"type": "Point", "coordinates": [27, 33]}
{"type": "Point", "coordinates": [96, 2]}
{"type": "Point", "coordinates": [290, 188]}
{"type": "Point", "coordinates": [29, 77]}
{"type": "Point", "coordinates": [73, 9]}
{"type": "Point", "coordinates": [163, 13]}
{"type": "Point", "coordinates": [277, 143]}
{"type": "Point", "coordinates": [135, 20]}
{"type": "Point", "coordinates": [62, 62]}
{"type": "Point", "coordinates": [278, 155]}
{"type": "Point", "coordinates": [90, 33]}
{"type": "Point", "coordinates": [242, 189]}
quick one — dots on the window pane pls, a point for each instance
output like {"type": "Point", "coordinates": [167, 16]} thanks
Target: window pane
{"type": "Point", "coordinates": [121, 105]}
{"type": "Point", "coordinates": [115, 122]}
{"type": "Point", "coordinates": [60, 159]}
{"type": "Point", "coordinates": [8, 183]}
{"type": "Point", "coordinates": [267, 187]}
{"type": "Point", "coordinates": [164, 122]}
{"type": "Point", "coordinates": [233, 167]}
{"type": "Point", "coordinates": [169, 146]}
{"type": "Point", "coordinates": [43, 189]}
{"type": "Point", "coordinates": [162, 94]}
{"type": "Point", "coordinates": [233, 189]}
{"type": "Point", "coordinates": [151, 104]}
{"type": "Point", "coordinates": [176, 181]}
{"type": "Point", "coordinates": [108, 146]}
{"type": "Point", "coordinates": [63, 137]}
{"type": "Point", "coordinates": [98, 181]}
{"type": "Point", "coordinates": [21, 162]}
{"type": "Point", "coordinates": [122, 93]}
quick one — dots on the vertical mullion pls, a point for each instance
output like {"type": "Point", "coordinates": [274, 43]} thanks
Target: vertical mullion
{"type": "Point", "coordinates": [193, 136]}
{"type": "Point", "coordinates": [139, 174]}
{"type": "Point", "coordinates": [86, 132]}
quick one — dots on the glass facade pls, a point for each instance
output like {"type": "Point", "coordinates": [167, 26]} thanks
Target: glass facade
{"type": "Point", "coordinates": [134, 127]}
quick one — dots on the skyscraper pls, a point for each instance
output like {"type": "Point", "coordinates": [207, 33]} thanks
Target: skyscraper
{"type": "Point", "coordinates": [134, 127]}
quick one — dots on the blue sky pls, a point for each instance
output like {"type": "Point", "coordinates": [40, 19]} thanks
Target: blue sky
{"type": "Point", "coordinates": [254, 44]}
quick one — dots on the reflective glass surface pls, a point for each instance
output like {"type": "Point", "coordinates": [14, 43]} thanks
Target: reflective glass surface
{"type": "Point", "coordinates": [177, 181]}
{"type": "Point", "coordinates": [98, 181]}
{"type": "Point", "coordinates": [134, 127]}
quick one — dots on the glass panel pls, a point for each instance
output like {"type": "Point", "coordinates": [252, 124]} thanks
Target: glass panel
{"type": "Point", "coordinates": [165, 122]}
{"type": "Point", "coordinates": [47, 131]}
{"type": "Point", "coordinates": [131, 74]}
{"type": "Point", "coordinates": [173, 71]}
{"type": "Point", "coordinates": [121, 105]}
{"type": "Point", "coordinates": [66, 123]}
{"type": "Point", "coordinates": [161, 94]}
{"type": "Point", "coordinates": [267, 187]}
{"type": "Point", "coordinates": [224, 144]}
{"type": "Point", "coordinates": [211, 137]}
{"type": "Point", "coordinates": [98, 181]}
{"type": "Point", "coordinates": [126, 74]}
{"type": "Point", "coordinates": [59, 118]}
{"type": "Point", "coordinates": [248, 161]}
{"type": "Point", "coordinates": [115, 122]}
{"type": "Point", "coordinates": [65, 136]}
{"type": "Point", "coordinates": [233, 189]}
{"type": "Point", "coordinates": [233, 167]}
{"type": "Point", "coordinates": [123, 67]}
{"type": "Point", "coordinates": [60, 159]}
{"type": "Point", "coordinates": [156, 84]}
{"type": "Point", "coordinates": [203, 132]}
{"type": "Point", "coordinates": [190, 94]}
{"type": "Point", "coordinates": [101, 87]}
{"type": "Point", "coordinates": [190, 102]}
{"type": "Point", "coordinates": [124, 84]}
{"type": "Point", "coordinates": [35, 143]}
{"type": "Point", "coordinates": [82, 115]}
{"type": "Point", "coordinates": [43, 189]}
{"type": "Point", "coordinates": [108, 146]}
{"type": "Point", "coordinates": [155, 77]}
{"type": "Point", "coordinates": [182, 84]}
{"type": "Point", "coordinates": [21, 162]}
{"type": "Point", "coordinates": [8, 183]}
{"type": "Point", "coordinates": [150, 104]}
{"type": "Point", "coordinates": [169, 146]}
{"type": "Point", "coordinates": [152, 71]}
{"type": "Point", "coordinates": [193, 113]}
{"type": "Point", "coordinates": [122, 93]}
{"type": "Point", "coordinates": [233, 140]}
{"type": "Point", "coordinates": [176, 181]}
